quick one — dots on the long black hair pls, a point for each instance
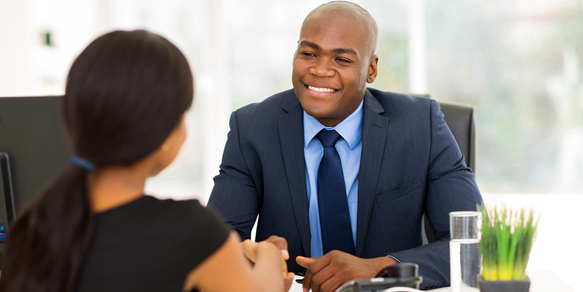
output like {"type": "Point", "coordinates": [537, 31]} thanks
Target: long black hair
{"type": "Point", "coordinates": [125, 93]}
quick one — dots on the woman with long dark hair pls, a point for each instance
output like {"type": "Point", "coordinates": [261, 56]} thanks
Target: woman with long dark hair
{"type": "Point", "coordinates": [93, 229]}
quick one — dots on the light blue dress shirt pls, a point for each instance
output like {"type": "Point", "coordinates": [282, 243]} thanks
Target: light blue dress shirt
{"type": "Point", "coordinates": [349, 148]}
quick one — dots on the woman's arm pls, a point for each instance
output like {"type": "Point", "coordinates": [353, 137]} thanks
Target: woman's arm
{"type": "Point", "coordinates": [227, 269]}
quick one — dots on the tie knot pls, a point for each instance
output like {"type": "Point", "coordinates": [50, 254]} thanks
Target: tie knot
{"type": "Point", "coordinates": [328, 138]}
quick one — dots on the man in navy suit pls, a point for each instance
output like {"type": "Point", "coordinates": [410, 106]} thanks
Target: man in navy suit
{"type": "Point", "coordinates": [398, 161]}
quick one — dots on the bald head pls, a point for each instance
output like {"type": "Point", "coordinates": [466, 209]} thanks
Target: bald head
{"type": "Point", "coordinates": [334, 61]}
{"type": "Point", "coordinates": [348, 10]}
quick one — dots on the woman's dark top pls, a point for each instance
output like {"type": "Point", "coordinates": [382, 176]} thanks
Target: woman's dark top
{"type": "Point", "coordinates": [150, 245]}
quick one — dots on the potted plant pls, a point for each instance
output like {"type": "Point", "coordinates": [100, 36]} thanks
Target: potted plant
{"type": "Point", "coordinates": [507, 236]}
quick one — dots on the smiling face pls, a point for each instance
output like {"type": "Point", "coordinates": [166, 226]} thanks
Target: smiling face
{"type": "Point", "coordinates": [332, 64]}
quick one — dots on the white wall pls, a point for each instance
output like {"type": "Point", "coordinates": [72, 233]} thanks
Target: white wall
{"type": "Point", "coordinates": [15, 47]}
{"type": "Point", "coordinates": [27, 65]}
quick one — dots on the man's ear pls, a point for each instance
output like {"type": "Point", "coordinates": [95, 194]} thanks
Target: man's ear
{"type": "Point", "coordinates": [372, 69]}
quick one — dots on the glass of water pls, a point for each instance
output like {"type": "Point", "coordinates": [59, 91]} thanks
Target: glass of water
{"type": "Point", "coordinates": [464, 250]}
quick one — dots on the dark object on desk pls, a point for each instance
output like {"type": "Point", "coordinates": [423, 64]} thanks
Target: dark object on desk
{"type": "Point", "coordinates": [503, 286]}
{"type": "Point", "coordinates": [32, 134]}
{"type": "Point", "coordinates": [399, 271]}
{"type": "Point", "coordinates": [398, 275]}
{"type": "Point", "coordinates": [300, 274]}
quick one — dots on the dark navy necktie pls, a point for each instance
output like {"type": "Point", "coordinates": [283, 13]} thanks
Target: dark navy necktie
{"type": "Point", "coordinates": [332, 201]}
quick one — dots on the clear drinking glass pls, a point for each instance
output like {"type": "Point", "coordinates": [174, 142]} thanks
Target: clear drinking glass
{"type": "Point", "coordinates": [464, 249]}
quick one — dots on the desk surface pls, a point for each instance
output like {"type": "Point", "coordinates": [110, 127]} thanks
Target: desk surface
{"type": "Point", "coordinates": [542, 281]}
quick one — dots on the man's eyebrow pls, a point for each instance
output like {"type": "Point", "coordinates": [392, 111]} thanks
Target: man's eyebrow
{"type": "Point", "coordinates": [311, 45]}
{"type": "Point", "coordinates": [344, 51]}
{"type": "Point", "coordinates": [337, 50]}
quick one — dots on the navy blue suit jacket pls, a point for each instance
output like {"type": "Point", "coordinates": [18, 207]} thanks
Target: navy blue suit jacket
{"type": "Point", "coordinates": [410, 164]}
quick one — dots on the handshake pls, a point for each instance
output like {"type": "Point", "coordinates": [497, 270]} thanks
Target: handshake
{"type": "Point", "coordinates": [335, 271]}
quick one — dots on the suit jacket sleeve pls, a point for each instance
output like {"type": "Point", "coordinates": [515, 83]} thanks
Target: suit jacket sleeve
{"type": "Point", "coordinates": [235, 194]}
{"type": "Point", "coordinates": [450, 187]}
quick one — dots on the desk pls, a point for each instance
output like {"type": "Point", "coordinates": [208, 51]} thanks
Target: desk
{"type": "Point", "coordinates": [542, 281]}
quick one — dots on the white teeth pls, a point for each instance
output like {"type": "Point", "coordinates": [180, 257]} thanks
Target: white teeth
{"type": "Point", "coordinates": [320, 89]}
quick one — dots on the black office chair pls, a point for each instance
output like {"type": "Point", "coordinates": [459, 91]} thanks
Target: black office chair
{"type": "Point", "coordinates": [461, 120]}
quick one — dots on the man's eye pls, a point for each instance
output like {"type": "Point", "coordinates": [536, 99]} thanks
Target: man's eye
{"type": "Point", "coordinates": [342, 60]}
{"type": "Point", "coordinates": [308, 54]}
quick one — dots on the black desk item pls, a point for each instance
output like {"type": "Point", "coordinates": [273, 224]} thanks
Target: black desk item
{"type": "Point", "coordinates": [398, 275]}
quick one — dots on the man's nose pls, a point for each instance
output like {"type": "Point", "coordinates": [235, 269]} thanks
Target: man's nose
{"type": "Point", "coordinates": [322, 68]}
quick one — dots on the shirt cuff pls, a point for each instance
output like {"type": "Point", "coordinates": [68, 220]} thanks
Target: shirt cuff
{"type": "Point", "coordinates": [394, 258]}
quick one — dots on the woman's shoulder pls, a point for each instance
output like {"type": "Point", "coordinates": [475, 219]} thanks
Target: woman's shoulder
{"type": "Point", "coordinates": [190, 223]}
{"type": "Point", "coordinates": [170, 205]}
{"type": "Point", "coordinates": [184, 222]}
{"type": "Point", "coordinates": [184, 210]}
{"type": "Point", "coordinates": [174, 216]}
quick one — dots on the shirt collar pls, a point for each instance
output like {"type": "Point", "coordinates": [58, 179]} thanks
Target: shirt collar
{"type": "Point", "coordinates": [350, 128]}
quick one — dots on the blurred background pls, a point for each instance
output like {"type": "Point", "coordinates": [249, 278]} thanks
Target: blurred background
{"type": "Point", "coordinates": [518, 61]}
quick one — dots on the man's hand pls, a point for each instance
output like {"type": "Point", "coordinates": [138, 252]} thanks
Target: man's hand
{"type": "Point", "coordinates": [327, 273]}
{"type": "Point", "coordinates": [281, 243]}
{"type": "Point", "coordinates": [250, 251]}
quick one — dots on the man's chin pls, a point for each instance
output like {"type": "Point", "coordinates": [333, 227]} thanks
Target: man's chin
{"type": "Point", "coordinates": [315, 109]}
{"type": "Point", "coordinates": [318, 114]}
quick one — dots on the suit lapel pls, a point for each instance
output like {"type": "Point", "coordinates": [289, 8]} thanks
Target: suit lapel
{"type": "Point", "coordinates": [374, 135]}
{"type": "Point", "coordinates": [291, 137]}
